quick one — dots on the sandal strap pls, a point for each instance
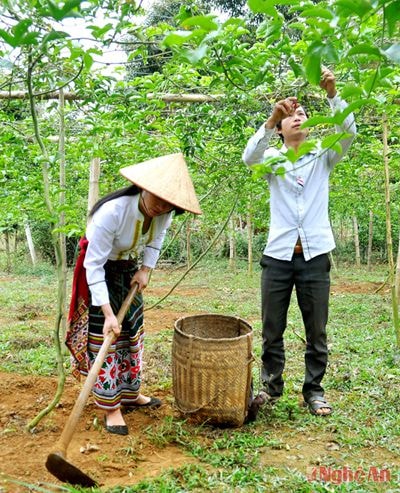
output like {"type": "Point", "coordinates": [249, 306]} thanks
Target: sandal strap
{"type": "Point", "coordinates": [316, 398]}
{"type": "Point", "coordinates": [318, 402]}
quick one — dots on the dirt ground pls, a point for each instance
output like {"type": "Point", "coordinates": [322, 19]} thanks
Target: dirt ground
{"type": "Point", "coordinates": [109, 459]}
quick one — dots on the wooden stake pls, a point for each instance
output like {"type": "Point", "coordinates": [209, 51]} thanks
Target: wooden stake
{"type": "Point", "coordinates": [94, 177]}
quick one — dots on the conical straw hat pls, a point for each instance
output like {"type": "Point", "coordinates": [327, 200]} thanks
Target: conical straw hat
{"type": "Point", "coordinates": [166, 177]}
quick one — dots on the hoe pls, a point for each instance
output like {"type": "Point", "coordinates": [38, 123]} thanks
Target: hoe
{"type": "Point", "coordinates": [57, 463]}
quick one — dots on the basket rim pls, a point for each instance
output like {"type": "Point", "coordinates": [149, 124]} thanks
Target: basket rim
{"type": "Point", "coordinates": [201, 315]}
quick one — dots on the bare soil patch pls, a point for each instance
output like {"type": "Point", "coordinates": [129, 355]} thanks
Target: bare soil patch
{"type": "Point", "coordinates": [113, 460]}
{"type": "Point", "coordinates": [110, 459]}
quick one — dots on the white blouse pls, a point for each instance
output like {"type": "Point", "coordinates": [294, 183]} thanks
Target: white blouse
{"type": "Point", "coordinates": [115, 233]}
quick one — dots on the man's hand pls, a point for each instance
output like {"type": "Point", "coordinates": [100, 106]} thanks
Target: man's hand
{"type": "Point", "coordinates": [328, 82]}
{"type": "Point", "coordinates": [282, 109]}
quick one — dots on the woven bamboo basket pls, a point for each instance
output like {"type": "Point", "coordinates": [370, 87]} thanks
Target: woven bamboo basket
{"type": "Point", "coordinates": [211, 368]}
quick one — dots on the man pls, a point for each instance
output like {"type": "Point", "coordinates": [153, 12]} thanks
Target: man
{"type": "Point", "coordinates": [300, 238]}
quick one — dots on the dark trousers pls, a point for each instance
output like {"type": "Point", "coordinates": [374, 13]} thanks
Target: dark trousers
{"type": "Point", "coordinates": [312, 282]}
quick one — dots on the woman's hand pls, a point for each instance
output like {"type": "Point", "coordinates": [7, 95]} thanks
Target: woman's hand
{"type": "Point", "coordinates": [110, 321]}
{"type": "Point", "coordinates": [141, 277]}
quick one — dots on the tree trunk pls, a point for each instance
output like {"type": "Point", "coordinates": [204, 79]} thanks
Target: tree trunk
{"type": "Point", "coordinates": [31, 246]}
{"type": "Point", "coordinates": [397, 280]}
{"type": "Point", "coordinates": [57, 252]}
{"type": "Point", "coordinates": [232, 244]}
{"type": "Point", "coordinates": [395, 307]}
{"type": "Point", "coordinates": [356, 242]}
{"type": "Point", "coordinates": [8, 253]}
{"type": "Point", "coordinates": [249, 243]}
{"type": "Point", "coordinates": [188, 233]}
{"type": "Point", "coordinates": [61, 234]}
{"type": "Point", "coordinates": [397, 283]}
{"type": "Point", "coordinates": [370, 235]}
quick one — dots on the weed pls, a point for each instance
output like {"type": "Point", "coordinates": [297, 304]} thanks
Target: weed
{"type": "Point", "coordinates": [169, 431]}
{"type": "Point", "coordinates": [132, 449]}
{"type": "Point", "coordinates": [272, 454]}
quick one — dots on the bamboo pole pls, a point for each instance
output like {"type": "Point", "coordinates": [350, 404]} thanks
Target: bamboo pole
{"type": "Point", "coordinates": [94, 178]}
{"type": "Point", "coordinates": [8, 253]}
{"type": "Point", "coordinates": [370, 235]}
{"type": "Point", "coordinates": [31, 246]}
{"type": "Point", "coordinates": [395, 308]}
{"type": "Point", "coordinates": [61, 221]}
{"type": "Point", "coordinates": [397, 280]}
{"type": "Point", "coordinates": [166, 97]}
{"type": "Point", "coordinates": [249, 243]}
{"type": "Point", "coordinates": [188, 240]}
{"type": "Point", "coordinates": [68, 96]}
{"type": "Point", "coordinates": [232, 244]}
{"type": "Point", "coordinates": [356, 241]}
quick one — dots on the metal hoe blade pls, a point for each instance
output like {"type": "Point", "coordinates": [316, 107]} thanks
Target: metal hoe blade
{"type": "Point", "coordinates": [66, 472]}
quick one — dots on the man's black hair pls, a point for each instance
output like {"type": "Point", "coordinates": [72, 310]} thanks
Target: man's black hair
{"type": "Point", "coordinates": [279, 125]}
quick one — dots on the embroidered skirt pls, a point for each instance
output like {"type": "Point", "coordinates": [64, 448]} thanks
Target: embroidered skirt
{"type": "Point", "coordinates": [120, 376]}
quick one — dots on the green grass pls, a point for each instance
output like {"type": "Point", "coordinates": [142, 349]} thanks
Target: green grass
{"type": "Point", "coordinates": [272, 454]}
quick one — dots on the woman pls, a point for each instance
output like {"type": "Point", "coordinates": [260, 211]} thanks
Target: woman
{"type": "Point", "coordinates": [122, 225]}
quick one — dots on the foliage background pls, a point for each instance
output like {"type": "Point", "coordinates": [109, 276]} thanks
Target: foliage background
{"type": "Point", "coordinates": [251, 54]}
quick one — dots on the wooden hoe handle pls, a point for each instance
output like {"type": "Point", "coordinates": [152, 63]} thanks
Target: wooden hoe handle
{"type": "Point", "coordinates": [76, 412]}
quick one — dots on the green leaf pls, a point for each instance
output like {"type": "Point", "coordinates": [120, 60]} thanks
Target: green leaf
{"type": "Point", "coordinates": [312, 63]}
{"type": "Point", "coordinates": [98, 32]}
{"type": "Point", "coordinates": [312, 67]}
{"type": "Point", "coordinates": [333, 142]}
{"type": "Point", "coordinates": [358, 7]}
{"type": "Point", "coordinates": [30, 39]}
{"type": "Point", "coordinates": [205, 22]}
{"type": "Point", "coordinates": [194, 56]}
{"type": "Point", "coordinates": [21, 28]}
{"type": "Point", "coordinates": [341, 115]}
{"type": "Point", "coordinates": [268, 28]}
{"type": "Point", "coordinates": [87, 60]}
{"type": "Point", "coordinates": [280, 171]}
{"type": "Point", "coordinates": [317, 12]}
{"type": "Point", "coordinates": [392, 16]}
{"type": "Point", "coordinates": [176, 38]}
{"type": "Point", "coordinates": [260, 170]}
{"type": "Point", "coordinates": [53, 35]}
{"type": "Point", "coordinates": [262, 7]}
{"type": "Point", "coordinates": [184, 13]}
{"type": "Point", "coordinates": [329, 53]}
{"type": "Point", "coordinates": [8, 38]}
{"type": "Point", "coordinates": [350, 91]}
{"type": "Point", "coordinates": [393, 53]}
{"type": "Point", "coordinates": [68, 9]}
{"type": "Point", "coordinates": [297, 69]}
{"type": "Point", "coordinates": [305, 148]}
{"type": "Point", "coordinates": [291, 155]}
{"type": "Point", "coordinates": [376, 79]}
{"type": "Point", "coordinates": [365, 49]}
{"type": "Point", "coordinates": [318, 120]}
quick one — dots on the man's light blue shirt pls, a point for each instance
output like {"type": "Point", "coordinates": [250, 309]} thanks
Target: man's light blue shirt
{"type": "Point", "coordinates": [299, 198]}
